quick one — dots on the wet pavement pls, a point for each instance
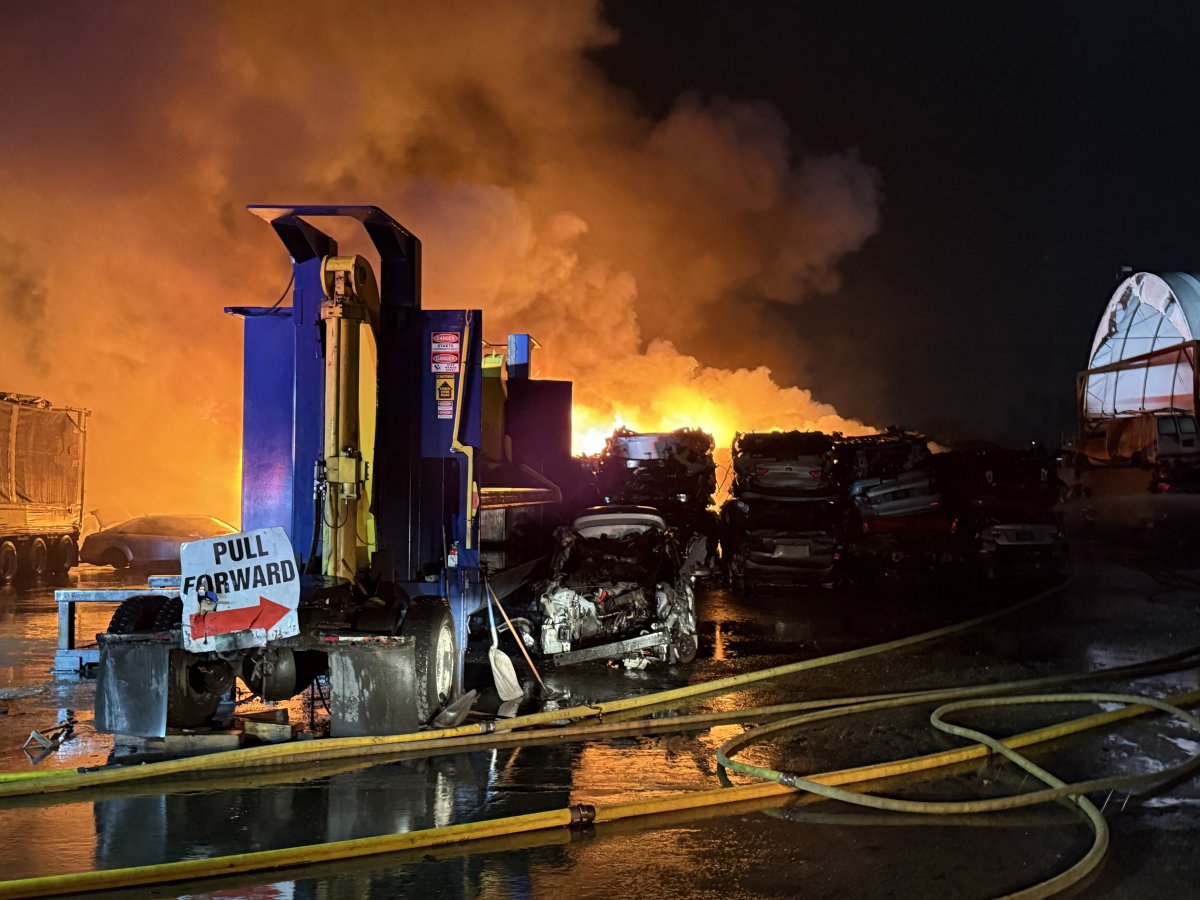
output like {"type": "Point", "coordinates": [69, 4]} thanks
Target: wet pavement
{"type": "Point", "coordinates": [1136, 596]}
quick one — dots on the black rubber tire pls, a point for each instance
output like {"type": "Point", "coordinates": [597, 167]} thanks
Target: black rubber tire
{"type": "Point", "coordinates": [115, 558]}
{"type": "Point", "coordinates": [137, 614]}
{"type": "Point", "coordinates": [190, 701]}
{"type": "Point", "coordinates": [684, 647]}
{"type": "Point", "coordinates": [427, 619]}
{"type": "Point", "coordinates": [39, 558]}
{"type": "Point", "coordinates": [169, 615]}
{"type": "Point", "coordinates": [10, 562]}
{"type": "Point", "coordinates": [64, 555]}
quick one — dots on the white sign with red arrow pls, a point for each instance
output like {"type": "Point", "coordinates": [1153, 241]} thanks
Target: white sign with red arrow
{"type": "Point", "coordinates": [239, 590]}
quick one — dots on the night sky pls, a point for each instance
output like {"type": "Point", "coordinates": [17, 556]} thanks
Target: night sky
{"type": "Point", "coordinates": [1026, 151]}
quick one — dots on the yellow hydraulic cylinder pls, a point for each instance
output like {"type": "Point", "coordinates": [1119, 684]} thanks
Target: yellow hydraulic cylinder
{"type": "Point", "coordinates": [351, 298]}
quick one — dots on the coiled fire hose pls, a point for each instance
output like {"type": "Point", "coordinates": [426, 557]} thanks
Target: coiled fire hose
{"type": "Point", "coordinates": [471, 737]}
{"type": "Point", "coordinates": [1056, 790]}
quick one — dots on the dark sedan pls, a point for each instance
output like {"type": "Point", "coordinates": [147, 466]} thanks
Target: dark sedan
{"type": "Point", "coordinates": [148, 539]}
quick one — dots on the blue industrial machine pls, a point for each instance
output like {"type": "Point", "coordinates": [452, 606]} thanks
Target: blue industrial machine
{"type": "Point", "coordinates": [381, 439]}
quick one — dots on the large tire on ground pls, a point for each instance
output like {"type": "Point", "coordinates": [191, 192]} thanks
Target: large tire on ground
{"type": "Point", "coordinates": [195, 686]}
{"type": "Point", "coordinates": [115, 558]}
{"type": "Point", "coordinates": [64, 555]}
{"type": "Point", "coordinates": [136, 614]}
{"type": "Point", "coordinates": [39, 558]}
{"type": "Point", "coordinates": [429, 623]}
{"type": "Point", "coordinates": [10, 562]}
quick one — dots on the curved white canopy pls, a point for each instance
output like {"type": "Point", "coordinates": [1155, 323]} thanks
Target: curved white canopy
{"type": "Point", "coordinates": [1147, 312]}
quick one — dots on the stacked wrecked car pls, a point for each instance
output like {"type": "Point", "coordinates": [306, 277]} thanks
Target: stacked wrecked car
{"type": "Point", "coordinates": [670, 472]}
{"type": "Point", "coordinates": [620, 581]}
{"type": "Point", "coordinates": [781, 521]}
{"type": "Point", "coordinates": [983, 510]}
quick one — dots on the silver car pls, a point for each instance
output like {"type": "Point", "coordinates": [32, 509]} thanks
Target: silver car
{"type": "Point", "coordinates": [148, 539]}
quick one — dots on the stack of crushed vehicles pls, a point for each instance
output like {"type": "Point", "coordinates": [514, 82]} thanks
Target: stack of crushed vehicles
{"type": "Point", "coordinates": [806, 506]}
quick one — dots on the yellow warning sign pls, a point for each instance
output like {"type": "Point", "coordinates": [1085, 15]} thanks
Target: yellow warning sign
{"type": "Point", "coordinates": [444, 388]}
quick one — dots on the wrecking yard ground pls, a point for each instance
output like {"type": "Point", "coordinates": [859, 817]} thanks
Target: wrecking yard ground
{"type": "Point", "coordinates": [1135, 597]}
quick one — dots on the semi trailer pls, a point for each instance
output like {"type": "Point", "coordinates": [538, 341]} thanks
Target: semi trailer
{"type": "Point", "coordinates": [42, 449]}
{"type": "Point", "coordinates": [390, 482]}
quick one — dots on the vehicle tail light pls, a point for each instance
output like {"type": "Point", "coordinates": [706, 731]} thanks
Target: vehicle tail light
{"type": "Point", "coordinates": [954, 526]}
{"type": "Point", "coordinates": [762, 470]}
{"type": "Point", "coordinates": [866, 527]}
{"type": "Point", "coordinates": [603, 596]}
{"type": "Point", "coordinates": [816, 473]}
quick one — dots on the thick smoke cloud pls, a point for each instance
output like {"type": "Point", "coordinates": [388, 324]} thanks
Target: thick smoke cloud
{"type": "Point", "coordinates": [135, 133]}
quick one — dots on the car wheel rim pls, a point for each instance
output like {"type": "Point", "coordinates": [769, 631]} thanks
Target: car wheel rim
{"type": "Point", "coordinates": [443, 663]}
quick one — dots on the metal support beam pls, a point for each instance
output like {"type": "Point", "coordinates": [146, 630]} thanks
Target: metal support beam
{"type": "Point", "coordinates": [610, 651]}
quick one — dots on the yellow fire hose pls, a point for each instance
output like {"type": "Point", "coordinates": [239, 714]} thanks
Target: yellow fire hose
{"type": "Point", "coordinates": [265, 860]}
{"type": "Point", "coordinates": [49, 781]}
{"type": "Point", "coordinates": [1056, 790]}
{"type": "Point", "coordinates": [92, 780]}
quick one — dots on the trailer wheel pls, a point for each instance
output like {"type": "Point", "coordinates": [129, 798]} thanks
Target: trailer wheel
{"type": "Point", "coordinates": [429, 623]}
{"type": "Point", "coordinates": [64, 555]}
{"type": "Point", "coordinates": [136, 614]}
{"type": "Point", "coordinates": [195, 686]}
{"type": "Point", "coordinates": [39, 558]}
{"type": "Point", "coordinates": [9, 562]}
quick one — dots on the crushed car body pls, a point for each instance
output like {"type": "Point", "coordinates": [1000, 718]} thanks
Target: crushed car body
{"type": "Point", "coordinates": [619, 588]}
{"type": "Point", "coordinates": [780, 523]}
{"type": "Point", "coordinates": [672, 472]}
{"type": "Point", "coordinates": [983, 510]}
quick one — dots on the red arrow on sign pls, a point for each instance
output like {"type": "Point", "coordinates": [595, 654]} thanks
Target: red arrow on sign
{"type": "Point", "coordinates": [266, 614]}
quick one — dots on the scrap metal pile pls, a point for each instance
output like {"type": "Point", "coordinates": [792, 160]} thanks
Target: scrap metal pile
{"type": "Point", "coordinates": [987, 511]}
{"type": "Point", "coordinates": [812, 507]}
{"type": "Point", "coordinates": [671, 472]}
{"type": "Point", "coordinates": [781, 520]}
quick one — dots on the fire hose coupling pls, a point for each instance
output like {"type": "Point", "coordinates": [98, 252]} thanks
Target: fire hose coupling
{"type": "Point", "coordinates": [582, 815]}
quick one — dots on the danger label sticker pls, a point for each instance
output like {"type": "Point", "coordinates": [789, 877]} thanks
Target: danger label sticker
{"type": "Point", "coordinates": [445, 352]}
{"type": "Point", "coordinates": [245, 586]}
